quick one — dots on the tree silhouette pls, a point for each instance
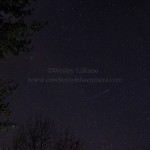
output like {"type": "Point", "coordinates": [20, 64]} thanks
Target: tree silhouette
{"type": "Point", "coordinates": [41, 133]}
{"type": "Point", "coordinates": [6, 88]}
{"type": "Point", "coordinates": [66, 141]}
{"type": "Point", "coordinates": [37, 134]}
{"type": "Point", "coordinates": [15, 31]}
{"type": "Point", "coordinates": [15, 37]}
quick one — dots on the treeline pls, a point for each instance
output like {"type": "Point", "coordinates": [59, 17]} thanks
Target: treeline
{"type": "Point", "coordinates": [42, 133]}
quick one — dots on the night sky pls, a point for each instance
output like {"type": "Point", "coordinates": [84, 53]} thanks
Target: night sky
{"type": "Point", "coordinates": [111, 37]}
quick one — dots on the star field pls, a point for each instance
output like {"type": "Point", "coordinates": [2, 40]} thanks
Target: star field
{"type": "Point", "coordinates": [111, 36]}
